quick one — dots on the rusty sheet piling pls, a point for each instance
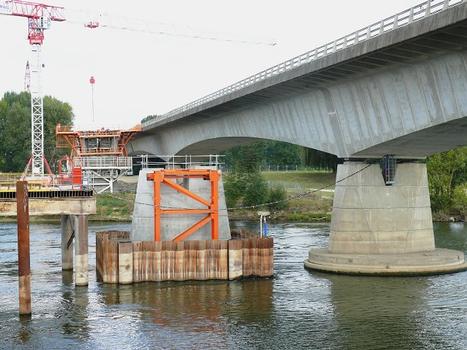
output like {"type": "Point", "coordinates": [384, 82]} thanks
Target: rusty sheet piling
{"type": "Point", "coordinates": [121, 261]}
{"type": "Point", "coordinates": [24, 267]}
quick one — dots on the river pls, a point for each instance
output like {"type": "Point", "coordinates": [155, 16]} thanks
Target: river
{"type": "Point", "coordinates": [296, 309]}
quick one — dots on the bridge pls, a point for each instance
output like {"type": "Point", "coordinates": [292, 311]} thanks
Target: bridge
{"type": "Point", "coordinates": [395, 89]}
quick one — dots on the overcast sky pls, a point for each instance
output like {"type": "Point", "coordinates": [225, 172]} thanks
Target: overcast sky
{"type": "Point", "coordinates": [139, 74]}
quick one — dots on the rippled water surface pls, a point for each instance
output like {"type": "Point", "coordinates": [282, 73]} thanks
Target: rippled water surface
{"type": "Point", "coordinates": [295, 309]}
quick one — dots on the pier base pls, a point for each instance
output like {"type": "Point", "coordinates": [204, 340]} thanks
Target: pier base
{"type": "Point", "coordinates": [379, 229]}
{"type": "Point", "coordinates": [67, 242]}
{"type": "Point", "coordinates": [81, 250]}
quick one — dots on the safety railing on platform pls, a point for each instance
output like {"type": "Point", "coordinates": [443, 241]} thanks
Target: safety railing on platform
{"type": "Point", "coordinates": [103, 162]}
{"type": "Point", "coordinates": [182, 161]}
{"type": "Point", "coordinates": [400, 19]}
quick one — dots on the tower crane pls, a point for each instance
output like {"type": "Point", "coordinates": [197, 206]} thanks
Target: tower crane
{"type": "Point", "coordinates": [39, 18]}
{"type": "Point", "coordinates": [27, 78]}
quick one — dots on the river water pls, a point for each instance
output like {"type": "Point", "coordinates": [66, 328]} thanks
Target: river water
{"type": "Point", "coordinates": [296, 309]}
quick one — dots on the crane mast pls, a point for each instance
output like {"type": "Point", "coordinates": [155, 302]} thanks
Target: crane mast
{"type": "Point", "coordinates": [39, 18]}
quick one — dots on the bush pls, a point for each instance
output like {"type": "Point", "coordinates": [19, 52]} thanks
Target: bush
{"type": "Point", "coordinates": [256, 190]}
{"type": "Point", "coordinates": [460, 198]}
{"type": "Point", "coordinates": [245, 189]}
{"type": "Point", "coordinates": [233, 189]}
{"type": "Point", "coordinates": [278, 194]}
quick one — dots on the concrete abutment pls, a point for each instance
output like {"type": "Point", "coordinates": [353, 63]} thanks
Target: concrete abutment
{"type": "Point", "coordinates": [380, 229]}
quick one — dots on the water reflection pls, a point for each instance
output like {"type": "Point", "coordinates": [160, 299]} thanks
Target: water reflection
{"type": "Point", "coordinates": [376, 310]}
{"type": "Point", "coordinates": [296, 309]}
{"type": "Point", "coordinates": [200, 307]}
{"type": "Point", "coordinates": [72, 309]}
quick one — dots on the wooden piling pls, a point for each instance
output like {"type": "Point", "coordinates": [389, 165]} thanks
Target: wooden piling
{"type": "Point", "coordinates": [179, 264]}
{"type": "Point", "coordinates": [157, 266]}
{"type": "Point", "coordinates": [235, 259]}
{"type": "Point", "coordinates": [267, 265]}
{"type": "Point", "coordinates": [125, 262]}
{"type": "Point", "coordinates": [24, 267]}
{"type": "Point", "coordinates": [246, 254]}
{"type": "Point", "coordinates": [137, 261]}
{"type": "Point", "coordinates": [188, 263]}
{"type": "Point", "coordinates": [81, 250]}
{"type": "Point", "coordinates": [210, 263]}
{"type": "Point", "coordinates": [182, 261]}
{"type": "Point", "coordinates": [146, 262]}
{"type": "Point", "coordinates": [201, 261]}
{"type": "Point", "coordinates": [67, 242]}
{"type": "Point", "coordinates": [223, 261]}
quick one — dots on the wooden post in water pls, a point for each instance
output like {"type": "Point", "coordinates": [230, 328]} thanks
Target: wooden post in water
{"type": "Point", "coordinates": [81, 250]}
{"type": "Point", "coordinates": [125, 262]}
{"type": "Point", "coordinates": [67, 242]}
{"type": "Point", "coordinates": [24, 267]}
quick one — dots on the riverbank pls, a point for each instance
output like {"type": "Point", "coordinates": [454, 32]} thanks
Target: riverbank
{"type": "Point", "coordinates": [316, 206]}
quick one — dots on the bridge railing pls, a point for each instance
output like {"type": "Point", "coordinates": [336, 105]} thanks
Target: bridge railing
{"type": "Point", "coordinates": [398, 20]}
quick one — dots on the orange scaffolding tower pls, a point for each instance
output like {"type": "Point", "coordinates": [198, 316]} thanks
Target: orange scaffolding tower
{"type": "Point", "coordinates": [94, 142]}
{"type": "Point", "coordinates": [212, 206]}
{"type": "Point", "coordinates": [100, 154]}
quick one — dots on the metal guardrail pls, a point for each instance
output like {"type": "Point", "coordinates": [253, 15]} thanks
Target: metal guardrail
{"type": "Point", "coordinates": [400, 19]}
{"type": "Point", "coordinates": [46, 194]}
{"type": "Point", "coordinates": [105, 162]}
{"type": "Point", "coordinates": [185, 161]}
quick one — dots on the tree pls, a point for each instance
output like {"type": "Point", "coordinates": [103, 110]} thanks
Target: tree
{"type": "Point", "coordinates": [446, 171]}
{"type": "Point", "coordinates": [15, 128]}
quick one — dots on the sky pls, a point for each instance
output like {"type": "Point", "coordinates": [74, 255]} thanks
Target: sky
{"type": "Point", "coordinates": [138, 74]}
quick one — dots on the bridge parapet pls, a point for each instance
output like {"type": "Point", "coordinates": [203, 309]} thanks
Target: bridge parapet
{"type": "Point", "coordinates": [401, 19]}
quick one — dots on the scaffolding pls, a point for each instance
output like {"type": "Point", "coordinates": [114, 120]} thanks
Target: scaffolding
{"type": "Point", "coordinates": [100, 154]}
{"type": "Point", "coordinates": [211, 210]}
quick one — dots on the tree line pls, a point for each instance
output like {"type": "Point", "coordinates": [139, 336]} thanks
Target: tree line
{"type": "Point", "coordinates": [447, 173]}
{"type": "Point", "coordinates": [15, 129]}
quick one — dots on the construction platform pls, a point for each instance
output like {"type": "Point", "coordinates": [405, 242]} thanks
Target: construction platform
{"type": "Point", "coordinates": [50, 202]}
{"type": "Point", "coordinates": [99, 155]}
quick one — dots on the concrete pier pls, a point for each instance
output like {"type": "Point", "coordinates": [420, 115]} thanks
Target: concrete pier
{"type": "Point", "coordinates": [81, 250]}
{"type": "Point", "coordinates": [142, 228]}
{"type": "Point", "coordinates": [67, 242]}
{"type": "Point", "coordinates": [379, 229]}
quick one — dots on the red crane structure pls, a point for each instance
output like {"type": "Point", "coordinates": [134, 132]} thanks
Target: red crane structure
{"type": "Point", "coordinates": [39, 18]}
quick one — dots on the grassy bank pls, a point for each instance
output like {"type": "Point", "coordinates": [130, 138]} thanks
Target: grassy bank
{"type": "Point", "coordinates": [314, 207]}
{"type": "Point", "coordinates": [114, 207]}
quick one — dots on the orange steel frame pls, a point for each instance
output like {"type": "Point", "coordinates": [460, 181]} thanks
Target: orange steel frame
{"type": "Point", "coordinates": [212, 207]}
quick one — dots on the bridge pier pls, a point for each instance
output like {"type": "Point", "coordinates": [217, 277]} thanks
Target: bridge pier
{"type": "Point", "coordinates": [381, 229]}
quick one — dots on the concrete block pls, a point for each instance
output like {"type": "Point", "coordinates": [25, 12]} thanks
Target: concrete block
{"type": "Point", "coordinates": [142, 228]}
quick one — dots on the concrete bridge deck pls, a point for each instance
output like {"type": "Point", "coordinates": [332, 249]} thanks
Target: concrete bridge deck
{"type": "Point", "coordinates": [387, 88]}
